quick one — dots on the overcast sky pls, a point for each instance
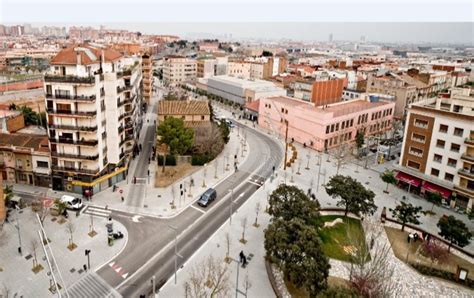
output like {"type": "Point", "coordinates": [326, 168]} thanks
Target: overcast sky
{"type": "Point", "coordinates": [449, 21]}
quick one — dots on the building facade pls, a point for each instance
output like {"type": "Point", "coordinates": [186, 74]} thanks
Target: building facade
{"type": "Point", "coordinates": [93, 104]}
{"type": "Point", "coordinates": [178, 69]}
{"type": "Point", "coordinates": [147, 69]}
{"type": "Point", "coordinates": [438, 148]}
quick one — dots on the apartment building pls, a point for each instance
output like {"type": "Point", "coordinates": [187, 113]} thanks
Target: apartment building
{"type": "Point", "coordinates": [438, 148]}
{"type": "Point", "coordinates": [93, 104]}
{"type": "Point", "coordinates": [325, 127]}
{"type": "Point", "coordinates": [178, 69]}
{"type": "Point", "coordinates": [25, 159]}
{"type": "Point", "coordinates": [147, 70]}
{"type": "Point", "coordinates": [206, 67]}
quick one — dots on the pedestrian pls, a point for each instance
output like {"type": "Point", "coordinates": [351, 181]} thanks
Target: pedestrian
{"type": "Point", "coordinates": [241, 256]}
{"type": "Point", "coordinates": [84, 267]}
{"type": "Point", "coordinates": [372, 242]}
{"type": "Point", "coordinates": [122, 199]}
{"type": "Point", "coordinates": [408, 238]}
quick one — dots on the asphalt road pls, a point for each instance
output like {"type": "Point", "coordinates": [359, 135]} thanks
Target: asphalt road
{"type": "Point", "coordinates": [150, 247]}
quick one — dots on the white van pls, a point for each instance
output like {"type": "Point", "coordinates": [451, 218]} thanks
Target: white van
{"type": "Point", "coordinates": [72, 202]}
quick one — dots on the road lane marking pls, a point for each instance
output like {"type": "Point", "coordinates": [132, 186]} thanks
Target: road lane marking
{"type": "Point", "coordinates": [196, 208]}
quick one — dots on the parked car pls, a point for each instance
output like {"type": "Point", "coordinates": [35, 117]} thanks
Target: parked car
{"type": "Point", "coordinates": [207, 197]}
{"type": "Point", "coordinates": [72, 202]}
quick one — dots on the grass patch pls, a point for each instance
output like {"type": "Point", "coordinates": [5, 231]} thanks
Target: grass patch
{"type": "Point", "coordinates": [335, 241]}
{"type": "Point", "coordinates": [333, 282]}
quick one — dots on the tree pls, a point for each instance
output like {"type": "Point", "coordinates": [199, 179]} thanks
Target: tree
{"type": "Point", "coordinates": [389, 178]}
{"type": "Point", "coordinates": [210, 278]}
{"type": "Point", "coordinates": [227, 244]}
{"type": "Point", "coordinates": [30, 116]}
{"type": "Point", "coordinates": [435, 198]}
{"type": "Point", "coordinates": [61, 206]}
{"type": "Point", "coordinates": [454, 231]}
{"type": "Point", "coordinates": [288, 202]}
{"type": "Point", "coordinates": [243, 223]}
{"type": "Point", "coordinates": [70, 228]}
{"type": "Point", "coordinates": [353, 196]}
{"type": "Point", "coordinates": [208, 140]}
{"type": "Point", "coordinates": [435, 250]}
{"type": "Point", "coordinates": [266, 53]}
{"type": "Point", "coordinates": [257, 211]}
{"type": "Point", "coordinates": [359, 139]}
{"type": "Point", "coordinates": [296, 250]}
{"type": "Point", "coordinates": [173, 133]}
{"type": "Point", "coordinates": [225, 132]}
{"type": "Point", "coordinates": [406, 213]}
{"type": "Point", "coordinates": [8, 193]}
{"type": "Point", "coordinates": [171, 96]}
{"type": "Point", "coordinates": [34, 247]}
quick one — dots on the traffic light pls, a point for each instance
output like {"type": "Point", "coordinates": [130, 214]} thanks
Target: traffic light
{"type": "Point", "coordinates": [87, 251]}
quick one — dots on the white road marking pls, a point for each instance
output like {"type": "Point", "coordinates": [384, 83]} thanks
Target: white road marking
{"type": "Point", "coordinates": [196, 208]}
{"type": "Point", "coordinates": [136, 218]}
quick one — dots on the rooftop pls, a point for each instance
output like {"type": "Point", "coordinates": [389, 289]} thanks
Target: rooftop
{"type": "Point", "coordinates": [182, 107]}
{"type": "Point", "coordinates": [35, 142]}
{"type": "Point", "coordinates": [88, 55]}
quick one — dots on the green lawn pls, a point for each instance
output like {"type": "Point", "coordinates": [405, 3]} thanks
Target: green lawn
{"type": "Point", "coordinates": [338, 241]}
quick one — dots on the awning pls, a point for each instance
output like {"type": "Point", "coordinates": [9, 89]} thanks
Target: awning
{"type": "Point", "coordinates": [435, 188]}
{"type": "Point", "coordinates": [408, 179]}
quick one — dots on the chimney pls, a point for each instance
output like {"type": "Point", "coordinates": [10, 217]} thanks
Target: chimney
{"type": "Point", "coordinates": [78, 59]}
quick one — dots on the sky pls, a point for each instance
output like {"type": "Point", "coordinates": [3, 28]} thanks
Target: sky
{"type": "Point", "coordinates": [446, 21]}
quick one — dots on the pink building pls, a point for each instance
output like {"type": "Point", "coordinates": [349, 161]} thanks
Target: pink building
{"type": "Point", "coordinates": [327, 126]}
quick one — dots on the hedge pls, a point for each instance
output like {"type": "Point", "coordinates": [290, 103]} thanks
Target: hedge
{"type": "Point", "coordinates": [441, 274]}
{"type": "Point", "coordinates": [170, 160]}
{"type": "Point", "coordinates": [200, 159]}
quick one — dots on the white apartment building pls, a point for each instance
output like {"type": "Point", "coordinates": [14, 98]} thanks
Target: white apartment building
{"type": "Point", "coordinates": [93, 103]}
{"type": "Point", "coordinates": [178, 69]}
{"type": "Point", "coordinates": [438, 148]}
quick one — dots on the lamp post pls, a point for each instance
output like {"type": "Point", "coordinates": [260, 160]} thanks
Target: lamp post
{"type": "Point", "coordinates": [176, 255]}
{"type": "Point", "coordinates": [88, 252]}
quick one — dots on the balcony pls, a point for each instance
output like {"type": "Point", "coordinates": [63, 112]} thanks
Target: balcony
{"type": "Point", "coordinates": [74, 142]}
{"type": "Point", "coordinates": [468, 157]}
{"type": "Point", "coordinates": [70, 79]}
{"type": "Point", "coordinates": [120, 129]}
{"type": "Point", "coordinates": [90, 98]}
{"type": "Point", "coordinates": [74, 127]}
{"type": "Point", "coordinates": [72, 113]}
{"type": "Point", "coordinates": [75, 156]}
{"type": "Point", "coordinates": [463, 189]}
{"type": "Point", "coordinates": [467, 173]}
{"type": "Point", "coordinates": [75, 170]}
{"type": "Point", "coordinates": [121, 74]}
{"type": "Point", "coordinates": [124, 88]}
{"type": "Point", "coordinates": [469, 141]}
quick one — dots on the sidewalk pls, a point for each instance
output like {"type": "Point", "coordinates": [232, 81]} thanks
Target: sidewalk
{"type": "Point", "coordinates": [157, 201]}
{"type": "Point", "coordinates": [17, 275]}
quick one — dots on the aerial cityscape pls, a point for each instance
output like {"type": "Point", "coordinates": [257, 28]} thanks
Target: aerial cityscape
{"type": "Point", "coordinates": [218, 158]}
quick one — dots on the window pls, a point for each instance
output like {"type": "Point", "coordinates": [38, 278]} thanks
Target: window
{"type": "Point", "coordinates": [202, 117]}
{"type": "Point", "coordinates": [19, 163]}
{"type": "Point", "coordinates": [452, 162]}
{"type": "Point", "coordinates": [434, 172]}
{"type": "Point", "coordinates": [413, 165]}
{"type": "Point", "coordinates": [448, 177]}
{"type": "Point", "coordinates": [440, 143]}
{"type": "Point", "coordinates": [443, 128]}
{"type": "Point", "coordinates": [455, 147]}
{"type": "Point", "coordinates": [437, 158]}
{"type": "Point", "coordinates": [27, 162]}
{"type": "Point", "coordinates": [418, 138]}
{"type": "Point", "coordinates": [332, 127]}
{"type": "Point", "coordinates": [416, 152]}
{"type": "Point", "coordinates": [458, 131]}
{"type": "Point", "coordinates": [327, 129]}
{"type": "Point", "coordinates": [421, 123]}
{"type": "Point", "coordinates": [41, 164]}
{"type": "Point", "coordinates": [337, 126]}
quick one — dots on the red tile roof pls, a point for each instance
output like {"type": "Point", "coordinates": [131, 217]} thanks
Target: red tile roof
{"type": "Point", "coordinates": [88, 54]}
{"type": "Point", "coordinates": [253, 105]}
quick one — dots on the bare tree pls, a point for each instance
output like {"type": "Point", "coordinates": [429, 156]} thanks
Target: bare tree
{"type": "Point", "coordinates": [370, 270]}
{"type": "Point", "coordinates": [208, 140]}
{"type": "Point", "coordinates": [246, 283]}
{"type": "Point", "coordinates": [227, 243]}
{"type": "Point", "coordinates": [173, 194]}
{"type": "Point", "coordinates": [210, 278]}
{"type": "Point", "coordinates": [257, 211]}
{"type": "Point", "coordinates": [34, 247]}
{"type": "Point", "coordinates": [70, 228]}
{"type": "Point", "coordinates": [243, 223]}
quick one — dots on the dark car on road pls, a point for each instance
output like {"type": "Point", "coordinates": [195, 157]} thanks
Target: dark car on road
{"type": "Point", "coordinates": [207, 197]}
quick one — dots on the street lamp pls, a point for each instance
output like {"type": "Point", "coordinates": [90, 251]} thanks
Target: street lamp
{"type": "Point", "coordinates": [88, 252]}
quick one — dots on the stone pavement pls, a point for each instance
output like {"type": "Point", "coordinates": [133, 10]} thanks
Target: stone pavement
{"type": "Point", "coordinates": [17, 274]}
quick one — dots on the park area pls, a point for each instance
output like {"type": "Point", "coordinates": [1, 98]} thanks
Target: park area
{"type": "Point", "coordinates": [439, 263]}
{"type": "Point", "coordinates": [343, 239]}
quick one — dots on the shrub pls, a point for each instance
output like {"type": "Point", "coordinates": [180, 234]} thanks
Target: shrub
{"type": "Point", "coordinates": [200, 159]}
{"type": "Point", "coordinates": [441, 274]}
{"type": "Point", "coordinates": [170, 160]}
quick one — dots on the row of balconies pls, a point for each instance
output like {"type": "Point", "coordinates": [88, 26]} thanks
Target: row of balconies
{"type": "Point", "coordinates": [72, 97]}
{"type": "Point", "coordinates": [74, 127]}
{"type": "Point", "coordinates": [75, 156]}
{"type": "Point", "coordinates": [469, 141]}
{"type": "Point", "coordinates": [69, 79]}
{"type": "Point", "coordinates": [75, 170]}
{"type": "Point", "coordinates": [81, 142]}
{"type": "Point", "coordinates": [124, 88]}
{"type": "Point", "coordinates": [70, 112]}
{"type": "Point", "coordinates": [467, 173]}
{"type": "Point", "coordinates": [468, 157]}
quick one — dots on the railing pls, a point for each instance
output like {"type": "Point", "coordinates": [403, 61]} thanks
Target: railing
{"type": "Point", "coordinates": [69, 112]}
{"type": "Point", "coordinates": [469, 141]}
{"type": "Point", "coordinates": [72, 97]}
{"type": "Point", "coordinates": [418, 154]}
{"type": "Point", "coordinates": [74, 127]}
{"type": "Point", "coordinates": [69, 79]}
{"type": "Point", "coordinates": [468, 157]}
{"type": "Point", "coordinates": [75, 156]}
{"type": "Point", "coordinates": [81, 171]}
{"type": "Point", "coordinates": [74, 142]}
{"type": "Point", "coordinates": [124, 88]}
{"type": "Point", "coordinates": [467, 173]}
{"type": "Point", "coordinates": [420, 125]}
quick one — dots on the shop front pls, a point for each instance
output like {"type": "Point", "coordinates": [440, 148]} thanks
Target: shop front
{"type": "Point", "coordinates": [428, 187]}
{"type": "Point", "coordinates": [409, 183]}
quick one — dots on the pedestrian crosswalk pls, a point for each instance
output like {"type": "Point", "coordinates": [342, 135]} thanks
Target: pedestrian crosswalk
{"type": "Point", "coordinates": [92, 285]}
{"type": "Point", "coordinates": [97, 211]}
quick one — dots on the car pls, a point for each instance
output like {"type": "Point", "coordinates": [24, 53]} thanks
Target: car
{"type": "Point", "coordinates": [72, 202]}
{"type": "Point", "coordinates": [207, 197]}
{"type": "Point", "coordinates": [230, 123]}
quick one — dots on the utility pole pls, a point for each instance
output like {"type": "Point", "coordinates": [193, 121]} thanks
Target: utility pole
{"type": "Point", "coordinates": [286, 144]}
